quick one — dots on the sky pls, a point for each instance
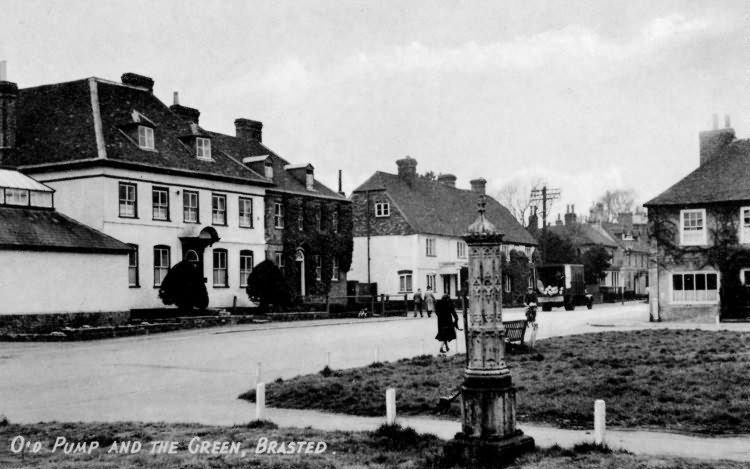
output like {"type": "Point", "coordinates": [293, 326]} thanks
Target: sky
{"type": "Point", "coordinates": [588, 96]}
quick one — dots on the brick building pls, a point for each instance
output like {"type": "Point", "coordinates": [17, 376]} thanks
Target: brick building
{"type": "Point", "coordinates": [408, 231]}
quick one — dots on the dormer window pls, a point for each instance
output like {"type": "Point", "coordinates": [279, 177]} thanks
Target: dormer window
{"type": "Point", "coordinates": [203, 148]}
{"type": "Point", "coordinates": [145, 137]}
{"type": "Point", "coordinates": [268, 169]}
{"type": "Point", "coordinates": [309, 180]}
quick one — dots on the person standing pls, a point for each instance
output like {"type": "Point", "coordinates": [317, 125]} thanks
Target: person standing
{"type": "Point", "coordinates": [447, 321]}
{"type": "Point", "coordinates": [418, 302]}
{"type": "Point", "coordinates": [429, 302]}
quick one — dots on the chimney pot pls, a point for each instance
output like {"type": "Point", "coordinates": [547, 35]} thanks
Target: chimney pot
{"type": "Point", "coordinates": [248, 129]}
{"type": "Point", "coordinates": [176, 97]}
{"type": "Point", "coordinates": [140, 81]}
{"type": "Point", "coordinates": [8, 126]}
{"type": "Point", "coordinates": [727, 122]}
{"type": "Point", "coordinates": [478, 185]}
{"type": "Point", "coordinates": [407, 169]}
{"type": "Point", "coordinates": [447, 179]}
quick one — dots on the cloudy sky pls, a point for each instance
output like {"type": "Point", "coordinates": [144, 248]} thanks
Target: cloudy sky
{"type": "Point", "coordinates": [588, 95]}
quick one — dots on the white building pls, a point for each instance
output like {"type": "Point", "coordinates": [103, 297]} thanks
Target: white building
{"type": "Point", "coordinates": [51, 263]}
{"type": "Point", "coordinates": [408, 231]}
{"type": "Point", "coordinates": [123, 162]}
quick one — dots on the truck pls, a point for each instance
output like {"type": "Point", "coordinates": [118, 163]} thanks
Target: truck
{"type": "Point", "coordinates": [562, 285]}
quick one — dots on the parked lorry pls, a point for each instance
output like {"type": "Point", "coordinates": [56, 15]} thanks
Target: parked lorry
{"type": "Point", "coordinates": [562, 285]}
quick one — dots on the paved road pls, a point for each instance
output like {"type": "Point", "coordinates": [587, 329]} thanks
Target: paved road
{"type": "Point", "coordinates": [197, 375]}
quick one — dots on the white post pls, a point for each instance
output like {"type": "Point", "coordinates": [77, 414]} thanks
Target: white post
{"type": "Point", "coordinates": [421, 347]}
{"type": "Point", "coordinates": [377, 353]}
{"type": "Point", "coordinates": [258, 374]}
{"type": "Point", "coordinates": [532, 338]}
{"type": "Point", "coordinates": [260, 401]}
{"type": "Point", "coordinates": [3, 71]}
{"type": "Point", "coordinates": [599, 421]}
{"type": "Point", "coordinates": [328, 359]}
{"type": "Point", "coordinates": [390, 406]}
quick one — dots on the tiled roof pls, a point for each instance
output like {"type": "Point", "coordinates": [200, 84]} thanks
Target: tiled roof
{"type": "Point", "coordinates": [48, 230]}
{"type": "Point", "coordinates": [283, 181]}
{"type": "Point", "coordinates": [432, 207]}
{"type": "Point", "coordinates": [57, 124]}
{"type": "Point", "coordinates": [724, 178]}
{"type": "Point", "coordinates": [638, 232]}
{"type": "Point", "coordinates": [583, 234]}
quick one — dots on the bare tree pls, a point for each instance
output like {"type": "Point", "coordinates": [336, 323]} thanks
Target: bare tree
{"type": "Point", "coordinates": [516, 197]}
{"type": "Point", "coordinates": [611, 203]}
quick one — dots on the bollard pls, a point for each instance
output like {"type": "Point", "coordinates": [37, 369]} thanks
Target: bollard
{"type": "Point", "coordinates": [390, 406]}
{"type": "Point", "coordinates": [377, 354]}
{"type": "Point", "coordinates": [258, 375]}
{"type": "Point", "coordinates": [328, 359]}
{"type": "Point", "coordinates": [260, 401]}
{"type": "Point", "coordinates": [532, 339]}
{"type": "Point", "coordinates": [599, 421]}
{"type": "Point", "coordinates": [421, 347]}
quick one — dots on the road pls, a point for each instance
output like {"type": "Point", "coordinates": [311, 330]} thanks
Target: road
{"type": "Point", "coordinates": [196, 375]}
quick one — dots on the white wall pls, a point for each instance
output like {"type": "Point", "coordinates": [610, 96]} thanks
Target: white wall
{"type": "Point", "coordinates": [92, 197]}
{"type": "Point", "coordinates": [51, 282]}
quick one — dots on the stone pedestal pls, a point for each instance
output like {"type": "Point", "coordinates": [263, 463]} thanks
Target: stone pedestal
{"type": "Point", "coordinates": [488, 399]}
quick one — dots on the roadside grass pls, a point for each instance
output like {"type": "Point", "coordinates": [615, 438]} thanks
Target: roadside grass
{"type": "Point", "coordinates": [387, 447]}
{"type": "Point", "coordinates": [681, 380]}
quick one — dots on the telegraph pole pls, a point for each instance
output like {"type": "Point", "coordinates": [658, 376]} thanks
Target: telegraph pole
{"type": "Point", "coordinates": [543, 195]}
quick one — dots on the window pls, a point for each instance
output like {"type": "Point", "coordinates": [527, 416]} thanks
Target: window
{"type": "Point", "coordinates": [693, 227]}
{"type": "Point", "coordinates": [133, 266]}
{"type": "Point", "coordinates": [246, 212]}
{"type": "Point", "coordinates": [695, 287]}
{"type": "Point", "coordinates": [145, 137]}
{"type": "Point", "coordinates": [128, 200]}
{"type": "Point", "coordinates": [461, 249]}
{"type": "Point", "coordinates": [190, 206]}
{"type": "Point", "coordinates": [16, 196]}
{"type": "Point", "coordinates": [382, 209]}
{"type": "Point", "coordinates": [745, 225]}
{"type": "Point", "coordinates": [431, 281]}
{"type": "Point", "coordinates": [218, 209]}
{"type": "Point", "coordinates": [335, 269]}
{"type": "Point", "coordinates": [160, 198]}
{"type": "Point", "coordinates": [278, 215]}
{"type": "Point", "coordinates": [506, 283]}
{"type": "Point", "coordinates": [430, 247]}
{"type": "Point", "coordinates": [318, 267]}
{"type": "Point", "coordinates": [161, 264]}
{"type": "Point", "coordinates": [321, 221]}
{"type": "Point", "coordinates": [220, 268]}
{"type": "Point", "coordinates": [404, 281]}
{"type": "Point", "coordinates": [203, 148]}
{"type": "Point", "coordinates": [301, 221]}
{"type": "Point", "coordinates": [246, 266]}
{"type": "Point", "coordinates": [529, 250]}
{"type": "Point", "coordinates": [335, 220]}
{"type": "Point", "coordinates": [280, 260]}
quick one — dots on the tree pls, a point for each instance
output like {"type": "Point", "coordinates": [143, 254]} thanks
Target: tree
{"type": "Point", "coordinates": [184, 287]}
{"type": "Point", "coordinates": [556, 249]}
{"type": "Point", "coordinates": [266, 286]}
{"type": "Point", "coordinates": [429, 175]}
{"type": "Point", "coordinates": [595, 262]}
{"type": "Point", "coordinates": [610, 204]}
{"type": "Point", "coordinates": [516, 197]}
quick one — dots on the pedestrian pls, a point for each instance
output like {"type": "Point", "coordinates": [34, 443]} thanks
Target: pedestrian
{"type": "Point", "coordinates": [447, 321]}
{"type": "Point", "coordinates": [418, 302]}
{"type": "Point", "coordinates": [531, 300]}
{"type": "Point", "coordinates": [429, 302]}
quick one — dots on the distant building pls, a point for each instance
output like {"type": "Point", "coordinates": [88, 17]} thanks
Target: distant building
{"type": "Point", "coordinates": [408, 231]}
{"type": "Point", "coordinates": [52, 263]}
{"type": "Point", "coordinates": [700, 235]}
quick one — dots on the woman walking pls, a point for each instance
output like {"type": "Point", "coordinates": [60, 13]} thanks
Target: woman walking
{"type": "Point", "coordinates": [447, 320]}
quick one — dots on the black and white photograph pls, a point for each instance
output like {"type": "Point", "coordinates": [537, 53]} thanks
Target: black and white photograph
{"type": "Point", "coordinates": [331, 234]}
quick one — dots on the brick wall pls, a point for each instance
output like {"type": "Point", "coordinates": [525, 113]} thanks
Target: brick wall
{"type": "Point", "coordinates": [395, 224]}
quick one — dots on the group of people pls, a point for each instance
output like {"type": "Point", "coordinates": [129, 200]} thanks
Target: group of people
{"type": "Point", "coordinates": [447, 319]}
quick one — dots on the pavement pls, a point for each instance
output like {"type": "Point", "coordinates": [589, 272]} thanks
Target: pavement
{"type": "Point", "coordinates": [196, 375]}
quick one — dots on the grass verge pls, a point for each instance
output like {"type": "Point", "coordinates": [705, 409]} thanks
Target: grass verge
{"type": "Point", "coordinates": [387, 447]}
{"type": "Point", "coordinates": [682, 380]}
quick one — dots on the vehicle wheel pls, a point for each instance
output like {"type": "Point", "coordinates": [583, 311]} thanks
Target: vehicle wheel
{"type": "Point", "coordinates": [546, 307]}
{"type": "Point", "coordinates": [569, 306]}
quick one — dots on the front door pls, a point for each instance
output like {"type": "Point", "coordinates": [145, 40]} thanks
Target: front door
{"type": "Point", "coordinates": [447, 284]}
{"type": "Point", "coordinates": [193, 249]}
{"type": "Point", "coordinates": [299, 258]}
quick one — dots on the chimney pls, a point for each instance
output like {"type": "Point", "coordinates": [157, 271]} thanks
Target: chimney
{"type": "Point", "coordinates": [407, 169]}
{"type": "Point", "coordinates": [570, 215]}
{"type": "Point", "coordinates": [625, 219]}
{"type": "Point", "coordinates": [533, 227]}
{"type": "Point", "coordinates": [248, 129]}
{"type": "Point", "coordinates": [478, 185]}
{"type": "Point", "coordinates": [8, 103]}
{"type": "Point", "coordinates": [188, 114]}
{"type": "Point", "coordinates": [139, 81]}
{"type": "Point", "coordinates": [713, 142]}
{"type": "Point", "coordinates": [341, 192]}
{"type": "Point", "coordinates": [558, 222]}
{"type": "Point", "coordinates": [447, 179]}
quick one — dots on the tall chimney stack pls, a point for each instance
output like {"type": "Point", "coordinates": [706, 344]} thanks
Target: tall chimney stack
{"type": "Point", "coordinates": [478, 185]}
{"type": "Point", "coordinates": [248, 129]}
{"type": "Point", "coordinates": [188, 114]}
{"type": "Point", "coordinates": [8, 103]}
{"type": "Point", "coordinates": [713, 142]}
{"type": "Point", "coordinates": [407, 169]}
